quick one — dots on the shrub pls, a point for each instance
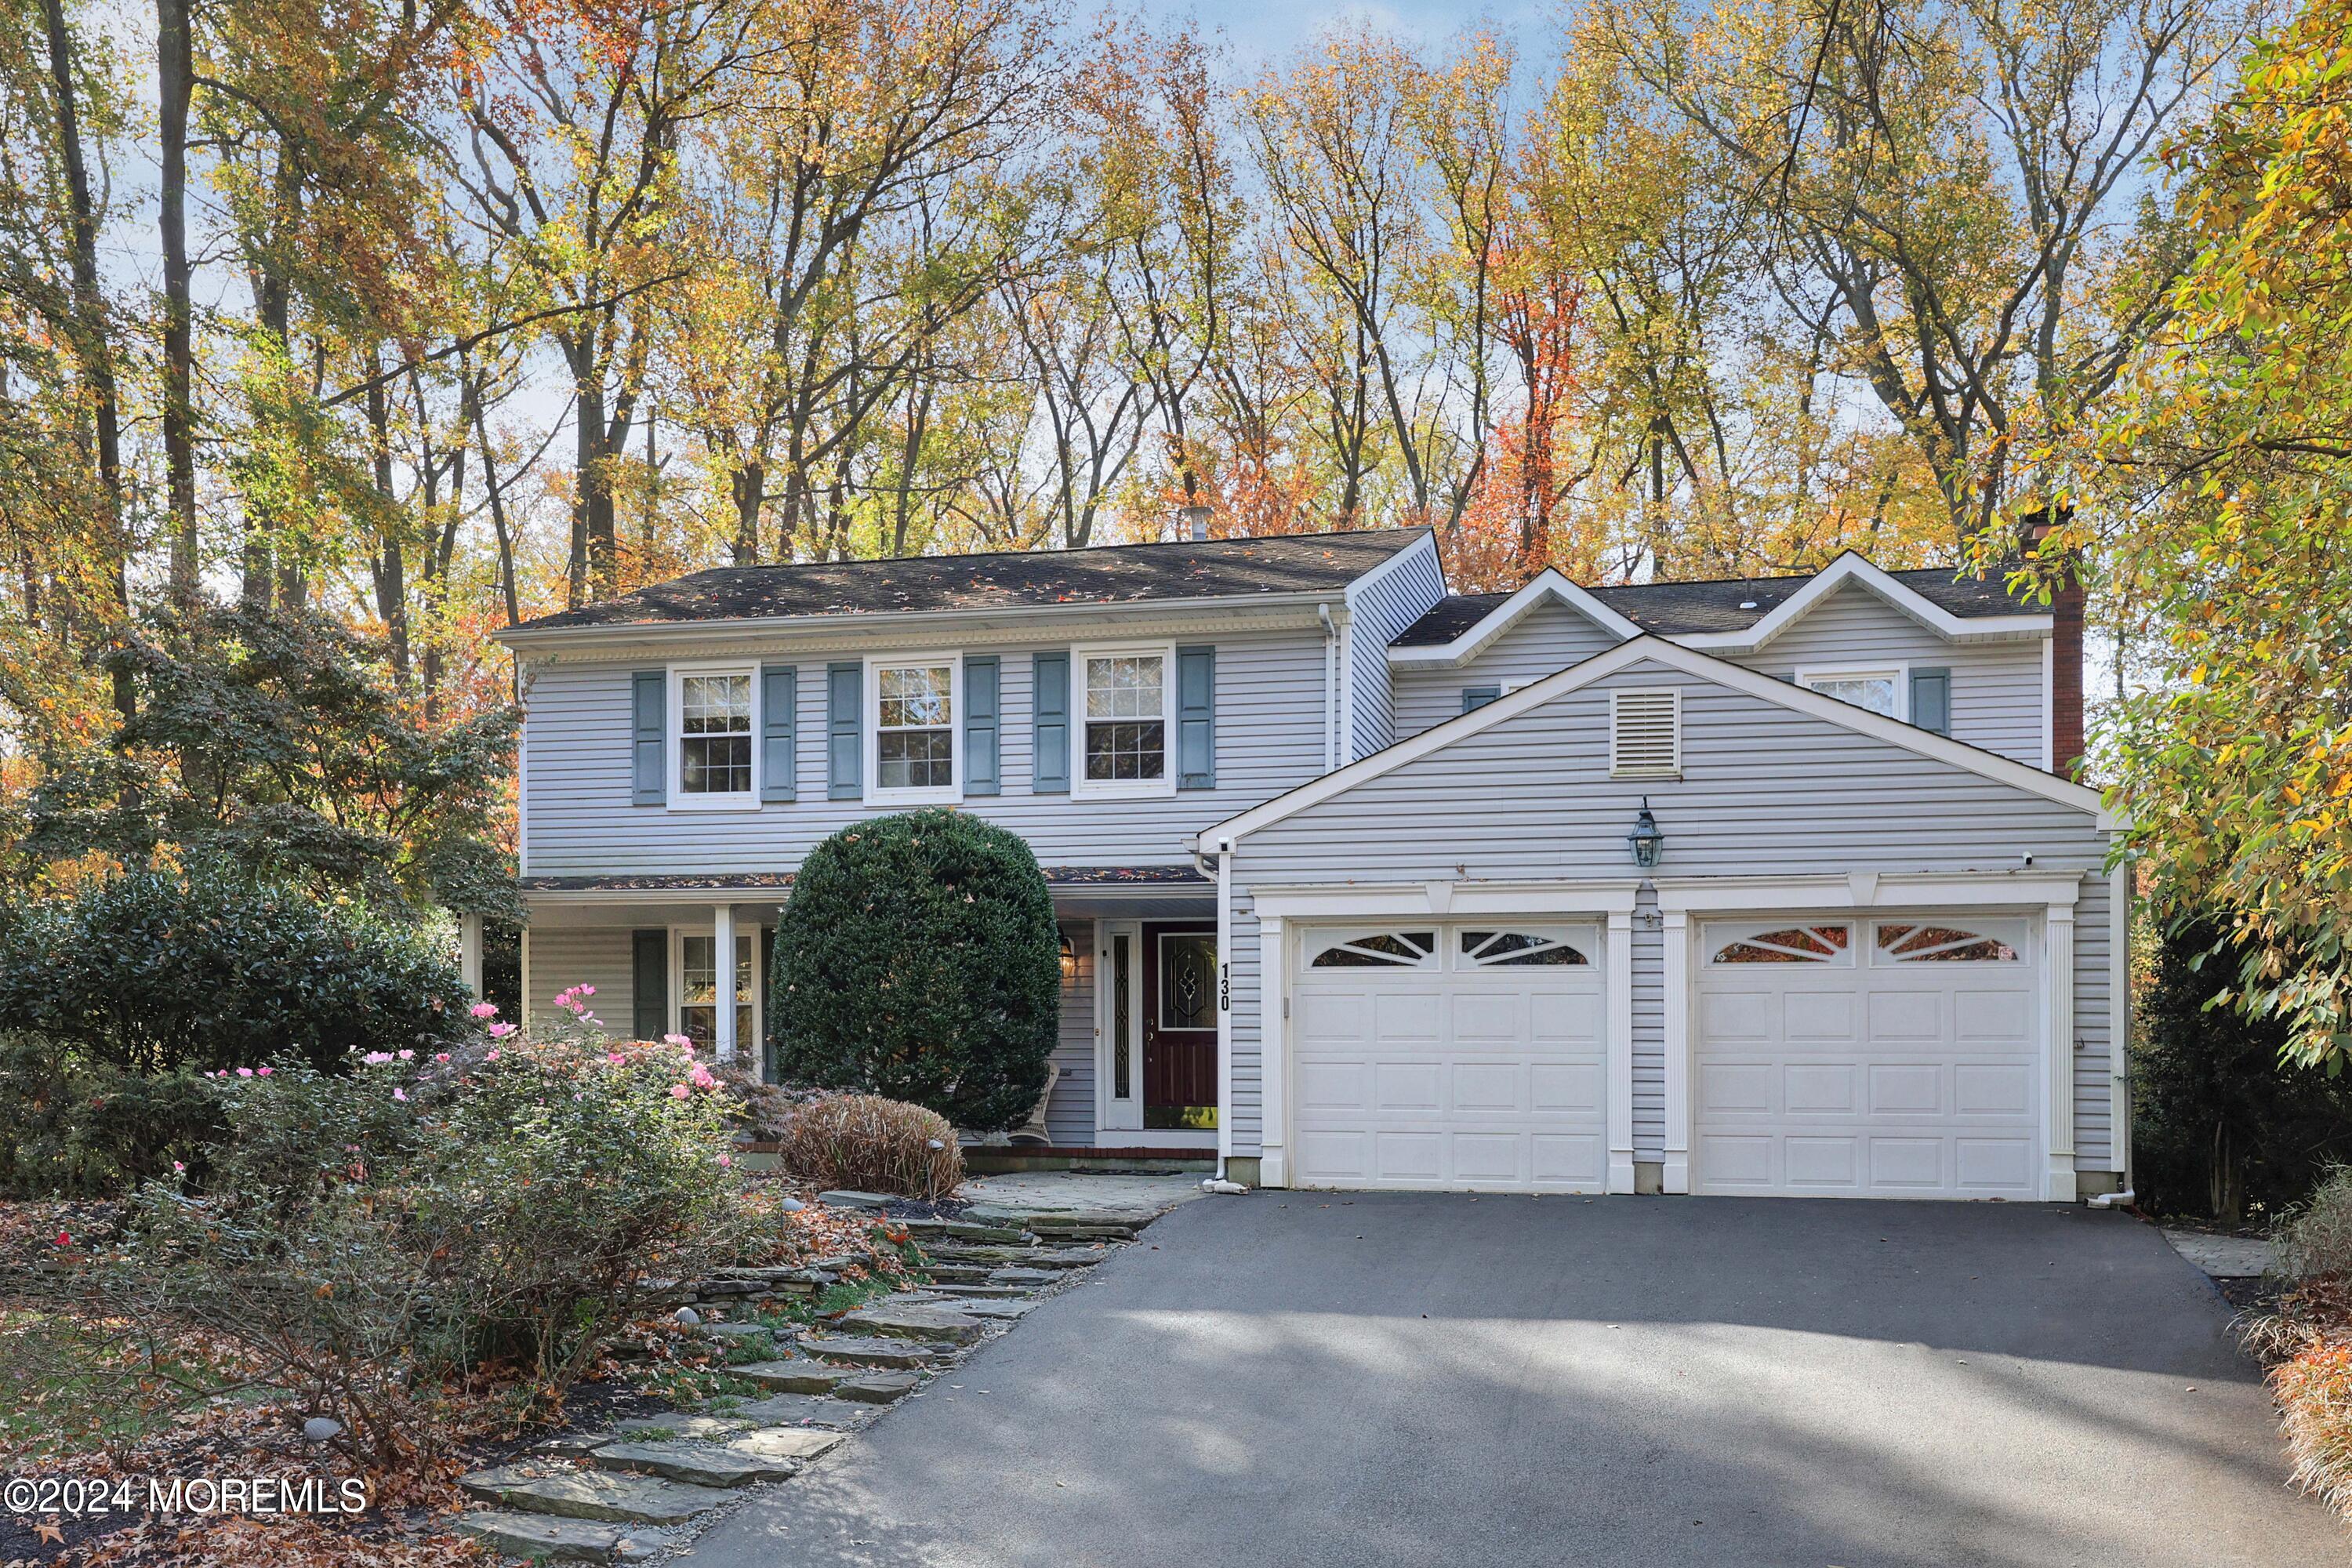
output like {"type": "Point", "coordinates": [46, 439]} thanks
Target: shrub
{"type": "Point", "coordinates": [2220, 1126]}
{"type": "Point", "coordinates": [374, 1236]}
{"type": "Point", "coordinates": [872, 1144]}
{"type": "Point", "coordinates": [153, 972]}
{"type": "Point", "coordinates": [82, 1129]}
{"type": "Point", "coordinates": [2314, 1240]}
{"type": "Point", "coordinates": [918, 960]}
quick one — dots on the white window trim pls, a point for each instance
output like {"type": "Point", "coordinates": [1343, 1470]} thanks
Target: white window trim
{"type": "Point", "coordinates": [751, 1050]}
{"type": "Point", "coordinates": [1084, 788]}
{"type": "Point", "coordinates": [674, 721]}
{"type": "Point", "coordinates": [1810, 676]}
{"type": "Point", "coordinates": [870, 724]}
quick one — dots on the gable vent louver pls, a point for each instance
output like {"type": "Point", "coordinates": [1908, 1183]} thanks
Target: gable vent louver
{"type": "Point", "coordinates": [1645, 735]}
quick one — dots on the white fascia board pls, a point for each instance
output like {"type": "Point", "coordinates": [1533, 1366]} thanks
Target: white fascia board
{"type": "Point", "coordinates": [1872, 890]}
{"type": "Point", "coordinates": [1548, 587]}
{"type": "Point", "coordinates": [1466, 900]}
{"type": "Point", "coordinates": [1851, 568]}
{"type": "Point", "coordinates": [1738, 678]}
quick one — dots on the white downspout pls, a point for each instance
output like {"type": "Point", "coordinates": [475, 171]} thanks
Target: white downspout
{"type": "Point", "coordinates": [1331, 689]}
{"type": "Point", "coordinates": [1224, 1005]}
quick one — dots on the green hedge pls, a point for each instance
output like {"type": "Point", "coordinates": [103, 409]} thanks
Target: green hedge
{"type": "Point", "coordinates": [154, 972]}
{"type": "Point", "coordinates": [80, 1129]}
{"type": "Point", "coordinates": [918, 959]}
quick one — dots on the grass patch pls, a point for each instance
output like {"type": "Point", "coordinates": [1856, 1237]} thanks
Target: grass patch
{"type": "Point", "coordinates": [78, 1386]}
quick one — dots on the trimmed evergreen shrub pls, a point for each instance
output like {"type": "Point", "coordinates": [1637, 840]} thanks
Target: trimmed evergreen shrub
{"type": "Point", "coordinates": [153, 972]}
{"type": "Point", "coordinates": [2222, 1128]}
{"type": "Point", "coordinates": [918, 959]}
{"type": "Point", "coordinates": [78, 1128]}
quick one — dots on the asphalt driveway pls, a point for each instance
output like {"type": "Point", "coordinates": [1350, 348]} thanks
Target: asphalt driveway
{"type": "Point", "coordinates": [1307, 1379]}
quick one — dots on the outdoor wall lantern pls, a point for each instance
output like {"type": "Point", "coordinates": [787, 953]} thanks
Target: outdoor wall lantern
{"type": "Point", "coordinates": [1069, 958]}
{"type": "Point", "coordinates": [1647, 842]}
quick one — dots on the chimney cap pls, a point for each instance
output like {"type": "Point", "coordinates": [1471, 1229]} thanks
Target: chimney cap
{"type": "Point", "coordinates": [1192, 524]}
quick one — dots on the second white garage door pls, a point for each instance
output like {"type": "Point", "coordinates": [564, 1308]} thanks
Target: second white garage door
{"type": "Point", "coordinates": [1468, 1056]}
{"type": "Point", "coordinates": [1868, 1058]}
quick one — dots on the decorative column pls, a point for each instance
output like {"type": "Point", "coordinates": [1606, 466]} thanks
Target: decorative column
{"type": "Point", "coordinates": [722, 954]}
{"type": "Point", "coordinates": [1676, 930]}
{"type": "Point", "coordinates": [1620, 957]}
{"type": "Point", "coordinates": [2058, 986]}
{"type": "Point", "coordinates": [469, 952]}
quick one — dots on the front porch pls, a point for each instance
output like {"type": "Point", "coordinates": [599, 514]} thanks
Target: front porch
{"type": "Point", "coordinates": [1136, 1062]}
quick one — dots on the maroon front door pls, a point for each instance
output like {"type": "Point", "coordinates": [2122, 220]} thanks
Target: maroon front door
{"type": "Point", "coordinates": [1180, 1026]}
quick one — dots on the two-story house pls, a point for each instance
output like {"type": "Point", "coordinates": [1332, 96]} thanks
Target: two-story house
{"type": "Point", "coordinates": [1751, 887]}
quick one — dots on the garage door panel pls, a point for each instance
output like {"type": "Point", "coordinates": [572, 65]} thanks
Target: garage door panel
{"type": "Point", "coordinates": [1457, 1075]}
{"type": "Point", "coordinates": [1910, 1090]}
{"type": "Point", "coordinates": [1869, 1072]}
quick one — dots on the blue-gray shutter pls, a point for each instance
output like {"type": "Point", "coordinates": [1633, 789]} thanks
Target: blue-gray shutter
{"type": "Point", "coordinates": [1931, 700]}
{"type": "Point", "coordinates": [780, 702]}
{"type": "Point", "coordinates": [1479, 695]}
{"type": "Point", "coordinates": [845, 750]}
{"type": "Point", "coordinates": [1196, 718]}
{"type": "Point", "coordinates": [1049, 701]}
{"type": "Point", "coordinates": [649, 742]}
{"type": "Point", "coordinates": [983, 705]}
{"type": "Point", "coordinates": [649, 983]}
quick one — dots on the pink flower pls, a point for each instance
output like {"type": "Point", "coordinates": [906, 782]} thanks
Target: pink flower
{"type": "Point", "coordinates": [680, 1041]}
{"type": "Point", "coordinates": [493, 1055]}
{"type": "Point", "coordinates": [587, 990]}
{"type": "Point", "coordinates": [376, 1058]}
{"type": "Point", "coordinates": [484, 1010]}
{"type": "Point", "coordinates": [680, 1091]}
{"type": "Point", "coordinates": [261, 1072]}
{"type": "Point", "coordinates": [703, 1078]}
{"type": "Point", "coordinates": [408, 1056]}
{"type": "Point", "coordinates": [400, 1094]}
{"type": "Point", "coordinates": [617, 1058]}
{"type": "Point", "coordinates": [245, 1072]}
{"type": "Point", "coordinates": [726, 1160]}
{"type": "Point", "coordinates": [437, 1056]}
{"type": "Point", "coordinates": [64, 1240]}
{"type": "Point", "coordinates": [178, 1169]}
{"type": "Point", "coordinates": [499, 1032]}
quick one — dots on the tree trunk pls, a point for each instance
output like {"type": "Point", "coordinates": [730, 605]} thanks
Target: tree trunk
{"type": "Point", "coordinates": [173, 69]}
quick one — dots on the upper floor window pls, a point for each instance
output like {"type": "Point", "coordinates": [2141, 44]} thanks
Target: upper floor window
{"type": "Point", "coordinates": [914, 729]}
{"type": "Point", "coordinates": [1127, 700]}
{"type": "Point", "coordinates": [714, 736]}
{"type": "Point", "coordinates": [1877, 690]}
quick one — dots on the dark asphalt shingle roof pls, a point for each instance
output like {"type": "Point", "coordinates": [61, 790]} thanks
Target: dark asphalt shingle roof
{"type": "Point", "coordinates": [1678, 609]}
{"type": "Point", "coordinates": [1103, 574]}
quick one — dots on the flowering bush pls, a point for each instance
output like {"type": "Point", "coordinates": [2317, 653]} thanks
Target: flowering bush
{"type": "Point", "coordinates": [83, 1128]}
{"type": "Point", "coordinates": [379, 1235]}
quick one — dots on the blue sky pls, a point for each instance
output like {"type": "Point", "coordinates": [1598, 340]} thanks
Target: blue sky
{"type": "Point", "coordinates": [1262, 30]}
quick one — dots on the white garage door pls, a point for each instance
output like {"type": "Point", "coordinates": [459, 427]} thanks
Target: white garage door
{"type": "Point", "coordinates": [1869, 1058]}
{"type": "Point", "coordinates": [1461, 1056]}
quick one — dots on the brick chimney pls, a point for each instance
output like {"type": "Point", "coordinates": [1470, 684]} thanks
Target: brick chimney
{"type": "Point", "coordinates": [2066, 652]}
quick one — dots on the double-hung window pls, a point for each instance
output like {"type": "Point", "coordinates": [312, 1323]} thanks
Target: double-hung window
{"type": "Point", "coordinates": [1126, 706]}
{"type": "Point", "coordinates": [1879, 690]}
{"type": "Point", "coordinates": [711, 739]}
{"type": "Point", "coordinates": [917, 704]}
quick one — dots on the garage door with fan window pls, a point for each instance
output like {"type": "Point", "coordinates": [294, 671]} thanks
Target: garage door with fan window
{"type": "Point", "coordinates": [1867, 1058]}
{"type": "Point", "coordinates": [1465, 1055]}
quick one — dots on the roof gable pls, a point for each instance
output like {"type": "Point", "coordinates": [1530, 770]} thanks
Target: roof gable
{"type": "Point", "coordinates": [1637, 650]}
{"type": "Point", "coordinates": [1546, 587]}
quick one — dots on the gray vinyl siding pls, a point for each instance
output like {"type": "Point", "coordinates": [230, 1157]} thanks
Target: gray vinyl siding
{"type": "Point", "coordinates": [1765, 792]}
{"type": "Point", "coordinates": [1996, 686]}
{"type": "Point", "coordinates": [1269, 739]}
{"type": "Point", "coordinates": [1378, 612]}
{"type": "Point", "coordinates": [565, 956]}
{"type": "Point", "coordinates": [1247, 1112]}
{"type": "Point", "coordinates": [1070, 1113]}
{"type": "Point", "coordinates": [1550, 637]}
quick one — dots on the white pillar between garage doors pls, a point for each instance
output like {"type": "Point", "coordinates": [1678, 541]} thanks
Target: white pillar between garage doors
{"type": "Point", "coordinates": [722, 960]}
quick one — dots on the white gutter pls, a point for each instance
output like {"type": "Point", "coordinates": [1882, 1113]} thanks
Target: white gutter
{"type": "Point", "coordinates": [1330, 689]}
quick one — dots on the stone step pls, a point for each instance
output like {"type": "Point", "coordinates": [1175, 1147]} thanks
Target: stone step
{"type": "Point", "coordinates": [1027, 1257]}
{"type": "Point", "coordinates": [797, 1444]}
{"type": "Point", "coordinates": [1023, 1278]}
{"type": "Point", "coordinates": [877, 1387]}
{"type": "Point", "coordinates": [806, 1411]}
{"type": "Point", "coordinates": [851, 1198]}
{"type": "Point", "coordinates": [798, 1375]}
{"type": "Point", "coordinates": [1044, 1220]}
{"type": "Point", "coordinates": [980, 1287]}
{"type": "Point", "coordinates": [703, 1464]}
{"type": "Point", "coordinates": [673, 1423]}
{"type": "Point", "coordinates": [545, 1538]}
{"type": "Point", "coordinates": [912, 1322]}
{"type": "Point", "coordinates": [591, 1494]}
{"type": "Point", "coordinates": [964, 1230]}
{"type": "Point", "coordinates": [1002, 1310]}
{"type": "Point", "coordinates": [953, 1272]}
{"type": "Point", "coordinates": [868, 1349]}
